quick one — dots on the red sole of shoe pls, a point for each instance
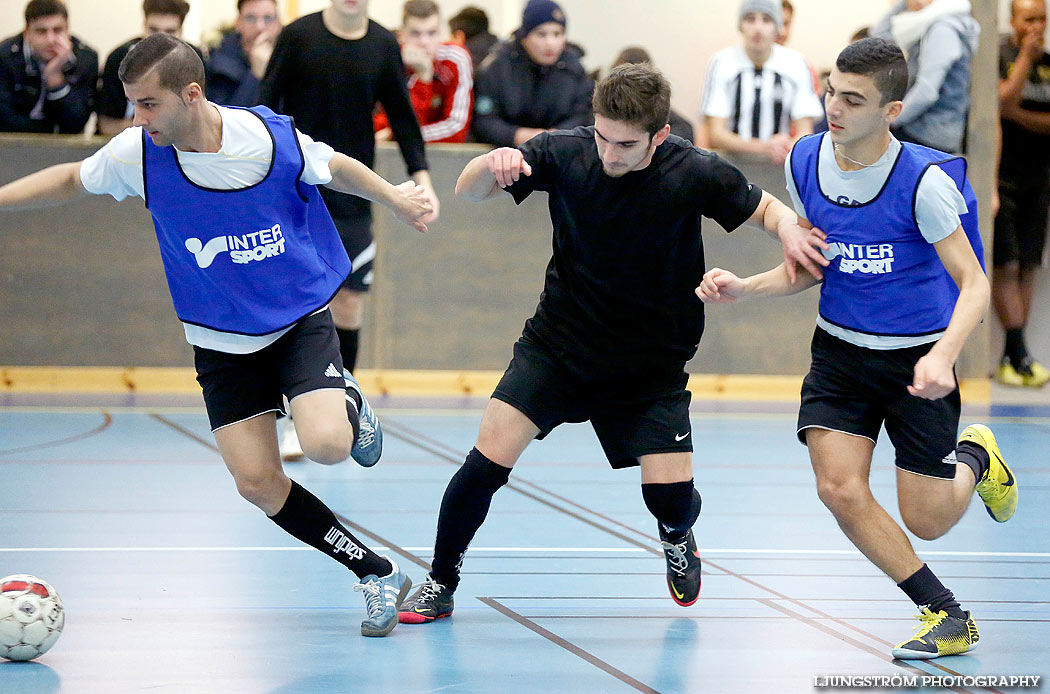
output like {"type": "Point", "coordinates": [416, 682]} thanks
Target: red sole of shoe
{"type": "Point", "coordinates": [413, 618]}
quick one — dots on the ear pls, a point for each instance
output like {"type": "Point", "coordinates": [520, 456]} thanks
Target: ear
{"type": "Point", "coordinates": [192, 92]}
{"type": "Point", "coordinates": [893, 110]}
{"type": "Point", "coordinates": [661, 135]}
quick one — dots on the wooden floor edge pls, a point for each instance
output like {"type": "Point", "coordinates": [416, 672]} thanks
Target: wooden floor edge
{"type": "Point", "coordinates": [154, 380]}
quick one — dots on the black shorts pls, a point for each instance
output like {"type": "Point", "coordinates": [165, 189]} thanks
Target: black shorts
{"type": "Point", "coordinates": [353, 220]}
{"type": "Point", "coordinates": [1020, 225]}
{"type": "Point", "coordinates": [241, 386]}
{"type": "Point", "coordinates": [628, 425]}
{"type": "Point", "coordinates": [855, 390]}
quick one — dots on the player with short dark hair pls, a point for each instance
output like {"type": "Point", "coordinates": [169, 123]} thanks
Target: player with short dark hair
{"type": "Point", "coordinates": [903, 289]}
{"type": "Point", "coordinates": [617, 320]}
{"type": "Point", "coordinates": [252, 260]}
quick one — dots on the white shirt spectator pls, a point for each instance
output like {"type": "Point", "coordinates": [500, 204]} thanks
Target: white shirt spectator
{"type": "Point", "coordinates": [758, 103]}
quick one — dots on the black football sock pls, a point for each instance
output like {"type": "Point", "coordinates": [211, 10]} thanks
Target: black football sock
{"type": "Point", "coordinates": [675, 506]}
{"type": "Point", "coordinates": [974, 457]}
{"type": "Point", "coordinates": [306, 518]}
{"type": "Point", "coordinates": [1015, 349]}
{"type": "Point", "coordinates": [926, 590]}
{"type": "Point", "coordinates": [348, 342]}
{"type": "Point", "coordinates": [463, 510]}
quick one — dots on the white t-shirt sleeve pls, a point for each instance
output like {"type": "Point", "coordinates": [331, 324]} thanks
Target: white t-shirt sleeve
{"type": "Point", "coordinates": [800, 209]}
{"type": "Point", "coordinates": [938, 205]}
{"type": "Point", "coordinates": [807, 103]}
{"type": "Point", "coordinates": [317, 156]}
{"type": "Point", "coordinates": [116, 169]}
{"type": "Point", "coordinates": [715, 102]}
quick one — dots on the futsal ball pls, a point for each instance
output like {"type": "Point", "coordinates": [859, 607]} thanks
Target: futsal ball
{"type": "Point", "coordinates": [31, 617]}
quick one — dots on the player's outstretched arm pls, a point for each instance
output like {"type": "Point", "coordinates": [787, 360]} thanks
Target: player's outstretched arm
{"type": "Point", "coordinates": [801, 241]}
{"type": "Point", "coordinates": [484, 176]}
{"type": "Point", "coordinates": [723, 287]}
{"type": "Point", "coordinates": [934, 374]}
{"type": "Point", "coordinates": [46, 188]}
{"type": "Point", "coordinates": [409, 201]}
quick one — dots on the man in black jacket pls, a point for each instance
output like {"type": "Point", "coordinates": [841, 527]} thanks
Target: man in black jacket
{"type": "Point", "coordinates": [532, 83]}
{"type": "Point", "coordinates": [237, 65]}
{"type": "Point", "coordinates": [47, 77]}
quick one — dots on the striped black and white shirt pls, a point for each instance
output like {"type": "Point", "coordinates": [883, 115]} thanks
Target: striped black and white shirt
{"type": "Point", "coordinates": [758, 103]}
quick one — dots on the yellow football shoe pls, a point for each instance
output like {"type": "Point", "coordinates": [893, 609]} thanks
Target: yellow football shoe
{"type": "Point", "coordinates": [939, 634]}
{"type": "Point", "coordinates": [997, 488]}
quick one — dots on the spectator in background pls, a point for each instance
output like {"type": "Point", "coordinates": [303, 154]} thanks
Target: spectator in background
{"type": "Point", "coordinates": [758, 96]}
{"type": "Point", "coordinates": [787, 11]}
{"type": "Point", "coordinates": [47, 76]}
{"type": "Point", "coordinates": [787, 15]}
{"type": "Point", "coordinates": [237, 65]}
{"type": "Point", "coordinates": [636, 55]}
{"type": "Point", "coordinates": [533, 82]}
{"type": "Point", "coordinates": [440, 77]}
{"type": "Point", "coordinates": [115, 112]}
{"type": "Point", "coordinates": [470, 29]}
{"type": "Point", "coordinates": [1024, 185]}
{"type": "Point", "coordinates": [939, 38]}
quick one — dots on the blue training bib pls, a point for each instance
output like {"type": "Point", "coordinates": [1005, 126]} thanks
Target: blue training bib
{"type": "Point", "coordinates": [884, 277]}
{"type": "Point", "coordinates": [250, 260]}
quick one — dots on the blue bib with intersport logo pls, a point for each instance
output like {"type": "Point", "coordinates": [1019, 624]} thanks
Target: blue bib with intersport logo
{"type": "Point", "coordinates": [250, 260]}
{"type": "Point", "coordinates": [884, 277]}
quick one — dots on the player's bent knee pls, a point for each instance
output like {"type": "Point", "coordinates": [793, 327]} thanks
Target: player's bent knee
{"type": "Point", "coordinates": [329, 452]}
{"type": "Point", "coordinates": [263, 490]}
{"type": "Point", "coordinates": [923, 526]}
{"type": "Point", "coordinates": [842, 498]}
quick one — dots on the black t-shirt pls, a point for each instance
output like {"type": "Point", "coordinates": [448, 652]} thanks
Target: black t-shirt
{"type": "Point", "coordinates": [330, 86]}
{"type": "Point", "coordinates": [619, 290]}
{"type": "Point", "coordinates": [111, 100]}
{"type": "Point", "coordinates": [1025, 153]}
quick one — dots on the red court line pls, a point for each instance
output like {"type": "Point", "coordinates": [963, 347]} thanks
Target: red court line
{"type": "Point", "coordinates": [107, 420]}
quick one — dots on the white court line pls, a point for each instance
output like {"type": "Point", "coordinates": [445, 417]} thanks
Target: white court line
{"type": "Point", "coordinates": [525, 550]}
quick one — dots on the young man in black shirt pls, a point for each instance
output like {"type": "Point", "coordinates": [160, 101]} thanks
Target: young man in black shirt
{"type": "Point", "coordinates": [1024, 186]}
{"type": "Point", "coordinates": [328, 70]}
{"type": "Point", "coordinates": [618, 318]}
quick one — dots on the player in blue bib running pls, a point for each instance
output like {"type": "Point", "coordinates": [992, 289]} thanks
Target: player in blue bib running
{"type": "Point", "coordinates": [252, 260]}
{"type": "Point", "coordinates": [903, 288]}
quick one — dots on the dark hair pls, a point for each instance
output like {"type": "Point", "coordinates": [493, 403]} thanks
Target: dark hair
{"type": "Point", "coordinates": [179, 8]}
{"type": "Point", "coordinates": [242, 3]}
{"type": "Point", "coordinates": [45, 8]}
{"type": "Point", "coordinates": [632, 55]}
{"type": "Point", "coordinates": [637, 94]}
{"type": "Point", "coordinates": [420, 9]}
{"type": "Point", "coordinates": [176, 63]}
{"type": "Point", "coordinates": [882, 61]}
{"type": "Point", "coordinates": [470, 20]}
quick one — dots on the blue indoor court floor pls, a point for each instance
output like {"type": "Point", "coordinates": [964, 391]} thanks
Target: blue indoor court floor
{"type": "Point", "coordinates": [172, 583]}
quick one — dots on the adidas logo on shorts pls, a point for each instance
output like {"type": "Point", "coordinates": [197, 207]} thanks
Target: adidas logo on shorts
{"type": "Point", "coordinates": [332, 372]}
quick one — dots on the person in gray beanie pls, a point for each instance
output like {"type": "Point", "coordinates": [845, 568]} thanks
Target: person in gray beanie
{"type": "Point", "coordinates": [758, 97]}
{"type": "Point", "coordinates": [771, 8]}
